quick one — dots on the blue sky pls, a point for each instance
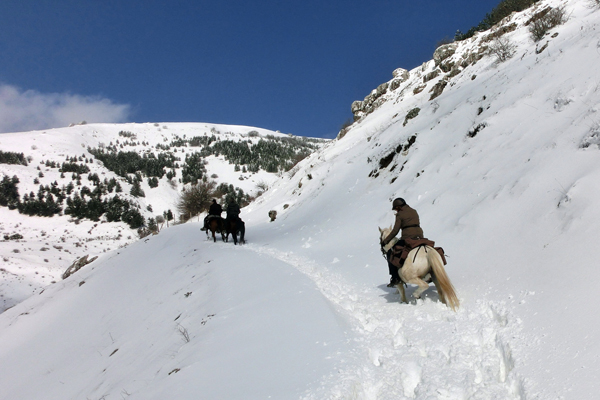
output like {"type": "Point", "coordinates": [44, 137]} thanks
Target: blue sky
{"type": "Point", "coordinates": [293, 66]}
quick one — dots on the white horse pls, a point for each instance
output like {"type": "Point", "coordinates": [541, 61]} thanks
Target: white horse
{"type": "Point", "coordinates": [420, 262]}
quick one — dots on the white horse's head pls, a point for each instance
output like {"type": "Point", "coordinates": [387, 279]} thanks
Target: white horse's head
{"type": "Point", "coordinates": [383, 233]}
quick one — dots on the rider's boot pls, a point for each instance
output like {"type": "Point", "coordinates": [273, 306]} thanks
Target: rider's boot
{"type": "Point", "coordinates": [393, 282]}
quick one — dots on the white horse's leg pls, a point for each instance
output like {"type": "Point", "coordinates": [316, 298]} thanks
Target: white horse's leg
{"type": "Point", "coordinates": [423, 286]}
{"type": "Point", "coordinates": [402, 292]}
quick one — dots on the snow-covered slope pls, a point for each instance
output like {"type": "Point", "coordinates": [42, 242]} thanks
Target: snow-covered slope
{"type": "Point", "coordinates": [49, 245]}
{"type": "Point", "coordinates": [302, 311]}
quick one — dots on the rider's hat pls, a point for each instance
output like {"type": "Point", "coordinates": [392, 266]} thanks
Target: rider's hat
{"type": "Point", "coordinates": [398, 202]}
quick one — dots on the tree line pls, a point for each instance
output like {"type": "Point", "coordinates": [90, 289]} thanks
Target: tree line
{"type": "Point", "coordinates": [83, 203]}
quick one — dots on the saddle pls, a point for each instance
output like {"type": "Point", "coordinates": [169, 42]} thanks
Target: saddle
{"type": "Point", "coordinates": [399, 253]}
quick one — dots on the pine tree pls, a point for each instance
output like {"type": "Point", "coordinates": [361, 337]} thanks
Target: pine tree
{"type": "Point", "coordinates": [136, 190]}
{"type": "Point", "coordinates": [9, 193]}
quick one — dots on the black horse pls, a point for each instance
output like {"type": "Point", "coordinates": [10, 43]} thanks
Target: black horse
{"type": "Point", "coordinates": [215, 225]}
{"type": "Point", "coordinates": [234, 227]}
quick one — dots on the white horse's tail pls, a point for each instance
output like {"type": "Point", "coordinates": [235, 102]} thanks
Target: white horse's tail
{"type": "Point", "coordinates": [442, 282]}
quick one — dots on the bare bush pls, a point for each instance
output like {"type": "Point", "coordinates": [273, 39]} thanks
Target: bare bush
{"type": "Point", "coordinates": [184, 333]}
{"type": "Point", "coordinates": [195, 199]}
{"type": "Point", "coordinates": [444, 41]}
{"type": "Point", "coordinates": [262, 186]}
{"type": "Point", "coordinates": [545, 20]}
{"type": "Point", "coordinates": [502, 48]}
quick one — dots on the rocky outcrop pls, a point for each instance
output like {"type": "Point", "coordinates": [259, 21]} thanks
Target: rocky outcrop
{"type": "Point", "coordinates": [441, 56]}
{"type": "Point", "coordinates": [438, 88]}
{"type": "Point", "coordinates": [432, 75]}
{"type": "Point", "coordinates": [444, 52]}
{"type": "Point", "coordinates": [401, 73]}
{"type": "Point", "coordinates": [400, 76]}
{"type": "Point", "coordinates": [370, 103]}
{"type": "Point", "coordinates": [77, 265]}
{"type": "Point", "coordinates": [376, 98]}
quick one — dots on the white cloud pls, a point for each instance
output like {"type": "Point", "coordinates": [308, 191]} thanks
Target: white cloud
{"type": "Point", "coordinates": [29, 110]}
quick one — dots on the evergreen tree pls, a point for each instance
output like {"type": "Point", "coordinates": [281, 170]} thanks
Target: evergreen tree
{"type": "Point", "coordinates": [9, 157]}
{"type": "Point", "coordinates": [9, 192]}
{"type": "Point", "coordinates": [133, 218]}
{"type": "Point", "coordinates": [76, 206]}
{"type": "Point", "coordinates": [153, 182]}
{"type": "Point", "coordinates": [114, 208]}
{"type": "Point", "coordinates": [136, 190]}
{"type": "Point", "coordinates": [152, 226]}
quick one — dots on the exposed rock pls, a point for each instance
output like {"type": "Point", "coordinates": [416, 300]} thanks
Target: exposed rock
{"type": "Point", "coordinates": [401, 73]}
{"type": "Point", "coordinates": [447, 65]}
{"type": "Point", "coordinates": [541, 49]}
{"type": "Point", "coordinates": [357, 106]}
{"type": "Point", "coordinates": [377, 103]}
{"type": "Point", "coordinates": [471, 58]}
{"type": "Point", "coordinates": [77, 265]}
{"type": "Point", "coordinates": [455, 71]}
{"type": "Point", "coordinates": [411, 114]}
{"type": "Point", "coordinates": [381, 89]}
{"type": "Point", "coordinates": [438, 88]}
{"type": "Point", "coordinates": [499, 32]}
{"type": "Point", "coordinates": [419, 89]}
{"type": "Point", "coordinates": [370, 103]}
{"type": "Point", "coordinates": [432, 75]}
{"type": "Point", "coordinates": [443, 52]}
{"type": "Point", "coordinates": [370, 98]}
{"type": "Point", "coordinates": [272, 215]}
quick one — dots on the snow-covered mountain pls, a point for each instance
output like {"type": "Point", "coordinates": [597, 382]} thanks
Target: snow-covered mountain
{"type": "Point", "coordinates": [69, 161]}
{"type": "Point", "coordinates": [502, 161]}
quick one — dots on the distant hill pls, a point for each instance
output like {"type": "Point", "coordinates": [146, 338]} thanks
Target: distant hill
{"type": "Point", "coordinates": [127, 175]}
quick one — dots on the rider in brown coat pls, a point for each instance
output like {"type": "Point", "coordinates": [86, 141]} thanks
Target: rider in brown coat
{"type": "Point", "coordinates": [407, 220]}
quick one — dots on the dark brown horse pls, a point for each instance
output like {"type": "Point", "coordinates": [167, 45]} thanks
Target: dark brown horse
{"type": "Point", "coordinates": [234, 227]}
{"type": "Point", "coordinates": [215, 225]}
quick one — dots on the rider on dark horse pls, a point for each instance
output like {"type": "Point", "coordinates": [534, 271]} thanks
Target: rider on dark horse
{"type": "Point", "coordinates": [407, 220]}
{"type": "Point", "coordinates": [233, 211]}
{"type": "Point", "coordinates": [233, 215]}
{"type": "Point", "coordinates": [214, 211]}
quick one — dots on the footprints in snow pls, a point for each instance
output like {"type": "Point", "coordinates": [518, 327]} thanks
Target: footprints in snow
{"type": "Point", "coordinates": [414, 351]}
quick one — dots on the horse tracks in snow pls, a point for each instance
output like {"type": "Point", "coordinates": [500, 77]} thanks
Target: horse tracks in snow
{"type": "Point", "coordinates": [421, 350]}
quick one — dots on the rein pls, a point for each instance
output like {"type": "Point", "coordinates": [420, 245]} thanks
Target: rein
{"type": "Point", "coordinates": [383, 252]}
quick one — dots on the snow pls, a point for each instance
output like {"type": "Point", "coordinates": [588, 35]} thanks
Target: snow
{"type": "Point", "coordinates": [51, 245]}
{"type": "Point", "coordinates": [302, 310]}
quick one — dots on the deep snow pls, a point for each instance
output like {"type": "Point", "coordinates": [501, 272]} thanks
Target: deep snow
{"type": "Point", "coordinates": [302, 310]}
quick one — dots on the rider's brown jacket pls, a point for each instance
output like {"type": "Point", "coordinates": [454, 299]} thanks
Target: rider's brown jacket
{"type": "Point", "coordinates": [407, 219]}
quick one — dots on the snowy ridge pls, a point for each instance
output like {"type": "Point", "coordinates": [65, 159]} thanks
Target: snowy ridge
{"type": "Point", "coordinates": [303, 310]}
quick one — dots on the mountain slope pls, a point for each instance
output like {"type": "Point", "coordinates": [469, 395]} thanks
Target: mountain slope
{"type": "Point", "coordinates": [101, 161]}
{"type": "Point", "coordinates": [511, 202]}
